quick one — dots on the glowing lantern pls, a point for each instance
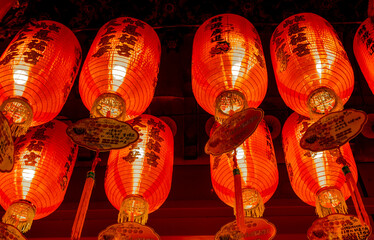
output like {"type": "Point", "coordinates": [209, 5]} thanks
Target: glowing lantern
{"type": "Point", "coordinates": [313, 73]}
{"type": "Point", "coordinates": [119, 75]}
{"type": "Point", "coordinates": [363, 47]}
{"type": "Point", "coordinates": [38, 70]}
{"type": "Point", "coordinates": [228, 66]}
{"type": "Point", "coordinates": [316, 177]}
{"type": "Point", "coordinates": [259, 172]}
{"type": "Point", "coordinates": [138, 177]}
{"type": "Point", "coordinates": [44, 160]}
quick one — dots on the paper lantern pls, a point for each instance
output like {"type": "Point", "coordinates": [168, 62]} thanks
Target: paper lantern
{"type": "Point", "coordinates": [37, 71]}
{"type": "Point", "coordinates": [363, 47]}
{"type": "Point", "coordinates": [119, 75]}
{"type": "Point", "coordinates": [44, 161]}
{"type": "Point", "coordinates": [228, 66]}
{"type": "Point", "coordinates": [316, 177]}
{"type": "Point", "coordinates": [258, 168]}
{"type": "Point", "coordinates": [312, 70]}
{"type": "Point", "coordinates": [138, 177]}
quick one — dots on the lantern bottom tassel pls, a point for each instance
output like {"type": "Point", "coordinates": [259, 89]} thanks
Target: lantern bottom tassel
{"type": "Point", "coordinates": [20, 215]}
{"type": "Point", "coordinates": [330, 201]}
{"type": "Point", "coordinates": [133, 209]}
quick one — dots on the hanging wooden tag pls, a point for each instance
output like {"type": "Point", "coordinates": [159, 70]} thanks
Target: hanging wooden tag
{"type": "Point", "coordinates": [234, 131]}
{"type": "Point", "coordinates": [338, 226]}
{"type": "Point", "coordinates": [102, 133]}
{"type": "Point", "coordinates": [333, 130]}
{"type": "Point", "coordinates": [128, 230]}
{"type": "Point", "coordinates": [255, 229]}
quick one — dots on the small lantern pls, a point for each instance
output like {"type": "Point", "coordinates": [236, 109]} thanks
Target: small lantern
{"type": "Point", "coordinates": [119, 75]}
{"type": "Point", "coordinates": [228, 66]}
{"type": "Point", "coordinates": [316, 177]}
{"type": "Point", "coordinates": [313, 73]}
{"type": "Point", "coordinates": [37, 71]}
{"type": "Point", "coordinates": [138, 177]}
{"type": "Point", "coordinates": [258, 167]}
{"type": "Point", "coordinates": [44, 161]}
{"type": "Point", "coordinates": [363, 47]}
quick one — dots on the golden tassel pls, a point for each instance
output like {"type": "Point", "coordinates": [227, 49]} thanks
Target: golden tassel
{"type": "Point", "coordinates": [84, 201]}
{"type": "Point", "coordinates": [20, 215]}
{"type": "Point", "coordinates": [253, 203]}
{"type": "Point", "coordinates": [133, 209]}
{"type": "Point", "coordinates": [329, 201]}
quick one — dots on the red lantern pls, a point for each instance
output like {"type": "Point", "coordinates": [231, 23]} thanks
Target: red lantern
{"type": "Point", "coordinates": [138, 177]}
{"type": "Point", "coordinates": [258, 168]}
{"type": "Point", "coordinates": [119, 75]}
{"type": "Point", "coordinates": [44, 161]}
{"type": "Point", "coordinates": [313, 73]}
{"type": "Point", "coordinates": [228, 66]}
{"type": "Point", "coordinates": [363, 48]}
{"type": "Point", "coordinates": [316, 177]}
{"type": "Point", "coordinates": [38, 70]}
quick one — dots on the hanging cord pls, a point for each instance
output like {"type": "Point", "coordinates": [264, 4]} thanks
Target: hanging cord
{"type": "Point", "coordinates": [239, 209]}
{"type": "Point", "coordinates": [85, 200]}
{"type": "Point", "coordinates": [356, 197]}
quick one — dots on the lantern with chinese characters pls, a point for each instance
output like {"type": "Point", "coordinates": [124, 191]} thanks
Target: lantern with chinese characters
{"type": "Point", "coordinates": [363, 47]}
{"type": "Point", "coordinates": [259, 173]}
{"type": "Point", "coordinates": [228, 66]}
{"type": "Point", "coordinates": [37, 71]}
{"type": "Point", "coordinates": [119, 75]}
{"type": "Point", "coordinates": [316, 177]}
{"type": "Point", "coordinates": [312, 70]}
{"type": "Point", "coordinates": [44, 161]}
{"type": "Point", "coordinates": [138, 177]}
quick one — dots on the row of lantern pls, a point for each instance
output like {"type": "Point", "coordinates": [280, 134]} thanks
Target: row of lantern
{"type": "Point", "coordinates": [118, 79]}
{"type": "Point", "coordinates": [312, 69]}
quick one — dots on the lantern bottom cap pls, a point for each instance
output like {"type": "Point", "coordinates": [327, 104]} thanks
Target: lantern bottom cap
{"type": "Point", "coordinates": [109, 105]}
{"type": "Point", "coordinates": [133, 209]}
{"type": "Point", "coordinates": [322, 101]}
{"type": "Point", "coordinates": [19, 114]}
{"type": "Point", "coordinates": [329, 201]}
{"type": "Point", "coordinates": [228, 103]}
{"type": "Point", "coordinates": [20, 214]}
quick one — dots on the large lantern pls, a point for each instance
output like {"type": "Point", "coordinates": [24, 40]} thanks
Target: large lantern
{"type": "Point", "coordinates": [119, 75]}
{"type": "Point", "coordinates": [228, 66]}
{"type": "Point", "coordinates": [313, 73]}
{"type": "Point", "coordinates": [316, 177]}
{"type": "Point", "coordinates": [363, 47]}
{"type": "Point", "coordinates": [44, 161]}
{"type": "Point", "coordinates": [259, 173]}
{"type": "Point", "coordinates": [37, 71]}
{"type": "Point", "coordinates": [138, 177]}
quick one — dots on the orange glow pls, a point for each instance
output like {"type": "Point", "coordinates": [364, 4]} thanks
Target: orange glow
{"type": "Point", "coordinates": [364, 49]}
{"type": "Point", "coordinates": [227, 55]}
{"type": "Point", "coordinates": [308, 171]}
{"type": "Point", "coordinates": [124, 59]}
{"type": "Point", "coordinates": [257, 164]}
{"type": "Point", "coordinates": [145, 167]}
{"type": "Point", "coordinates": [40, 67]}
{"type": "Point", "coordinates": [307, 54]}
{"type": "Point", "coordinates": [44, 161]}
